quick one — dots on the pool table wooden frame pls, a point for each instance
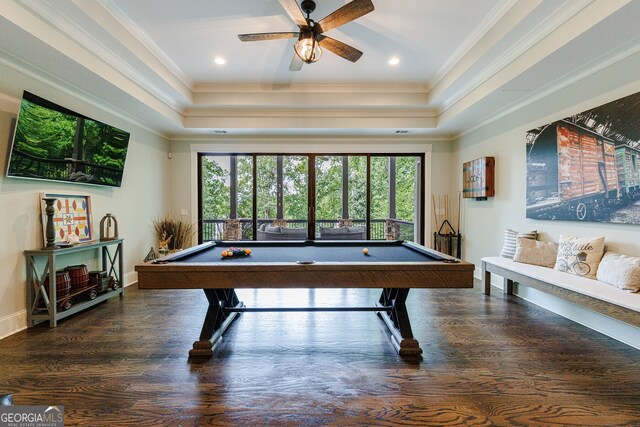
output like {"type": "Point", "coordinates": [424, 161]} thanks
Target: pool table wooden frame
{"type": "Point", "coordinates": [219, 279]}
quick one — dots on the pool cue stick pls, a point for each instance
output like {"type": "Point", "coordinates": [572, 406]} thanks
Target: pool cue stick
{"type": "Point", "coordinates": [459, 204]}
{"type": "Point", "coordinates": [435, 213]}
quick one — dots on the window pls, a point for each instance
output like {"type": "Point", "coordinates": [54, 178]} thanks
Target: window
{"type": "Point", "coordinates": [310, 196]}
{"type": "Point", "coordinates": [226, 197]}
{"type": "Point", "coordinates": [282, 197]}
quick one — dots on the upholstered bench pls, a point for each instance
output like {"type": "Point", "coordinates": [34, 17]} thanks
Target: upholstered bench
{"type": "Point", "coordinates": [588, 293]}
{"type": "Point", "coordinates": [282, 233]}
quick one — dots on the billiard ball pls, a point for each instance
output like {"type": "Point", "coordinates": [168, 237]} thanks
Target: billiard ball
{"type": "Point", "coordinates": [365, 251]}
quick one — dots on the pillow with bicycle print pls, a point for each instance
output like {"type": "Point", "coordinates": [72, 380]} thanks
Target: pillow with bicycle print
{"type": "Point", "coordinates": [580, 255]}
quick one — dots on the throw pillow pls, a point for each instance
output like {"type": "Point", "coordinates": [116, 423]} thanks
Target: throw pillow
{"type": "Point", "coordinates": [621, 271]}
{"type": "Point", "coordinates": [509, 246]}
{"type": "Point", "coordinates": [531, 251]}
{"type": "Point", "coordinates": [580, 255]}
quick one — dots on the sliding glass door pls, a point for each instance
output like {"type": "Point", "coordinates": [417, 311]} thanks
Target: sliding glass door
{"type": "Point", "coordinates": [282, 197]}
{"type": "Point", "coordinates": [310, 196]}
{"type": "Point", "coordinates": [226, 197]}
{"type": "Point", "coordinates": [340, 197]}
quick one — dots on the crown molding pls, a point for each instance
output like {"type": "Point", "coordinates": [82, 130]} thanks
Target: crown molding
{"type": "Point", "coordinates": [84, 40]}
{"type": "Point", "coordinates": [596, 65]}
{"type": "Point", "coordinates": [314, 100]}
{"type": "Point", "coordinates": [297, 112]}
{"type": "Point", "coordinates": [144, 40]}
{"type": "Point", "coordinates": [565, 11]}
{"type": "Point", "coordinates": [342, 142]}
{"type": "Point", "coordinates": [575, 25]}
{"type": "Point", "coordinates": [200, 88]}
{"type": "Point", "coordinates": [509, 20]}
{"type": "Point", "coordinates": [46, 78]}
{"type": "Point", "coordinates": [311, 118]}
{"type": "Point", "coordinates": [494, 16]}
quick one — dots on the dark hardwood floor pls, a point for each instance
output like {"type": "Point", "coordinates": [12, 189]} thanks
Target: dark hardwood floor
{"type": "Point", "coordinates": [488, 361]}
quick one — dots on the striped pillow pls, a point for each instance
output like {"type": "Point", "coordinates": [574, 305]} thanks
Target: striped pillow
{"type": "Point", "coordinates": [509, 246]}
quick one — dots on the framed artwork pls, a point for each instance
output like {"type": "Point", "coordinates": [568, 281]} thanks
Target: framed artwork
{"type": "Point", "coordinates": [72, 216]}
{"type": "Point", "coordinates": [586, 167]}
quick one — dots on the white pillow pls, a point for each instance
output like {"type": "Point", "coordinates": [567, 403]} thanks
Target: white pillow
{"type": "Point", "coordinates": [621, 271]}
{"type": "Point", "coordinates": [530, 251]}
{"type": "Point", "coordinates": [580, 255]}
{"type": "Point", "coordinates": [509, 245]}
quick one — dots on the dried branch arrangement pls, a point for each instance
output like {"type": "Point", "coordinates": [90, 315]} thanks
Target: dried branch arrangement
{"type": "Point", "coordinates": [173, 233]}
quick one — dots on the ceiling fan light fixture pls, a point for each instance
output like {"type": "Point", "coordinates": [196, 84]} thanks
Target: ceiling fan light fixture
{"type": "Point", "coordinates": [307, 48]}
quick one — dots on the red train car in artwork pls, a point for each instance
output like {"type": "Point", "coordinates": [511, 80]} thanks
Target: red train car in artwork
{"type": "Point", "coordinates": [572, 173]}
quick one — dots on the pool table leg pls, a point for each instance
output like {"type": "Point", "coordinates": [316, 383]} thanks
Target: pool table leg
{"type": "Point", "coordinates": [216, 321]}
{"type": "Point", "coordinates": [397, 321]}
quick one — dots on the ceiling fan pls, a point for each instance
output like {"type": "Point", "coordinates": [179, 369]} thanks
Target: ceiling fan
{"type": "Point", "coordinates": [311, 39]}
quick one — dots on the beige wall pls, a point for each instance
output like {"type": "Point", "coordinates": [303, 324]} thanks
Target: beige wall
{"type": "Point", "coordinates": [438, 159]}
{"type": "Point", "coordinates": [142, 196]}
{"type": "Point", "coordinates": [485, 221]}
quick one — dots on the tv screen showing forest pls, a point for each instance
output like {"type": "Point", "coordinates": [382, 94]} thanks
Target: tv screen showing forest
{"type": "Point", "coordinates": [53, 143]}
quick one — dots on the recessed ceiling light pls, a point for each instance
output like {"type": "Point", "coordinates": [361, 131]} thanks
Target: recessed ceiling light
{"type": "Point", "coordinates": [394, 61]}
{"type": "Point", "coordinates": [220, 61]}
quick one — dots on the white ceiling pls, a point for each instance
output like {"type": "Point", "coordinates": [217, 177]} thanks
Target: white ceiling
{"type": "Point", "coordinates": [210, 28]}
{"type": "Point", "coordinates": [463, 63]}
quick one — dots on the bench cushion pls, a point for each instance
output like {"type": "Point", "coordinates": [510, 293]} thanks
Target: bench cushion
{"type": "Point", "coordinates": [578, 284]}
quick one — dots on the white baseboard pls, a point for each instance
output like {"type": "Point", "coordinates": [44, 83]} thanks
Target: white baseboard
{"type": "Point", "coordinates": [17, 322]}
{"type": "Point", "coordinates": [13, 323]}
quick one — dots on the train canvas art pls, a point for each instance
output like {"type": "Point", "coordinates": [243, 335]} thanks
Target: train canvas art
{"type": "Point", "coordinates": [586, 167]}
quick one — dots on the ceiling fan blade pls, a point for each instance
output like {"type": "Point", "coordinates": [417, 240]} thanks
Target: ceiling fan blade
{"type": "Point", "coordinates": [296, 63]}
{"type": "Point", "coordinates": [341, 49]}
{"type": "Point", "coordinates": [266, 36]}
{"type": "Point", "coordinates": [347, 13]}
{"type": "Point", "coordinates": [294, 12]}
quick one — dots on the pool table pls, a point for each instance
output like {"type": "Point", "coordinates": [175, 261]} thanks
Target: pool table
{"type": "Point", "coordinates": [392, 266]}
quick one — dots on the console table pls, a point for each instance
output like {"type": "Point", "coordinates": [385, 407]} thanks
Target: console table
{"type": "Point", "coordinates": [42, 303]}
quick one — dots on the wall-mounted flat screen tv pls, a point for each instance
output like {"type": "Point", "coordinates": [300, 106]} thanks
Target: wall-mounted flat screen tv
{"type": "Point", "coordinates": [53, 143]}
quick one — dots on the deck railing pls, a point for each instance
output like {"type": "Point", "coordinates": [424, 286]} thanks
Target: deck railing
{"type": "Point", "coordinates": [213, 229]}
